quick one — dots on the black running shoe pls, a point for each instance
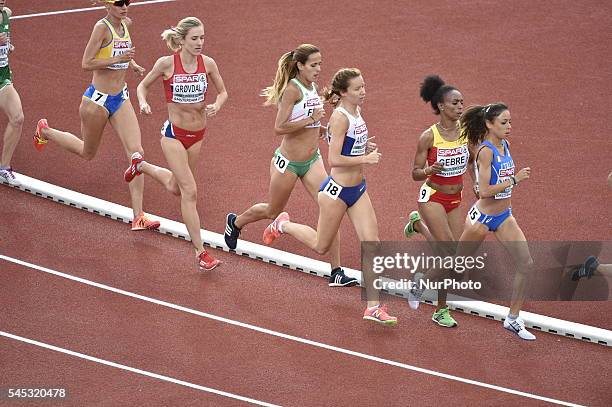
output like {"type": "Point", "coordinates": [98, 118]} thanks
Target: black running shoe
{"type": "Point", "coordinates": [586, 269]}
{"type": "Point", "coordinates": [231, 231]}
{"type": "Point", "coordinates": [339, 279]}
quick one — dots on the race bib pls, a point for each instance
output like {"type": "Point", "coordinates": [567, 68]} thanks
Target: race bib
{"type": "Point", "coordinates": [280, 162]}
{"type": "Point", "coordinates": [99, 98]}
{"type": "Point", "coordinates": [474, 214]}
{"type": "Point", "coordinates": [424, 193]}
{"type": "Point", "coordinates": [332, 189]}
{"type": "Point", "coordinates": [125, 93]}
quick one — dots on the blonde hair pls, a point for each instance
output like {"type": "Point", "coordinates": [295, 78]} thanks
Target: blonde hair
{"type": "Point", "coordinates": [173, 35]}
{"type": "Point", "coordinates": [287, 70]}
{"type": "Point", "coordinates": [340, 83]}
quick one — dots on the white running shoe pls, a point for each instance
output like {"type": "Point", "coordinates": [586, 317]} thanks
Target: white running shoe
{"type": "Point", "coordinates": [415, 294]}
{"type": "Point", "coordinates": [6, 175]}
{"type": "Point", "coordinates": [518, 327]}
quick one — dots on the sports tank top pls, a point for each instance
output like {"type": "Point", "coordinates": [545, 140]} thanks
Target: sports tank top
{"type": "Point", "coordinates": [307, 105]}
{"type": "Point", "coordinates": [502, 167]}
{"type": "Point", "coordinates": [453, 155]}
{"type": "Point", "coordinates": [4, 49]}
{"type": "Point", "coordinates": [118, 45]}
{"type": "Point", "coordinates": [356, 136]}
{"type": "Point", "coordinates": [183, 87]}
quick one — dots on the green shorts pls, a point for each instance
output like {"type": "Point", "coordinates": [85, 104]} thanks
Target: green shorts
{"type": "Point", "coordinates": [6, 76]}
{"type": "Point", "coordinates": [299, 168]}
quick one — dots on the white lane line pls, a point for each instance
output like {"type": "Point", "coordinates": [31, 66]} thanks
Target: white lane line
{"type": "Point", "coordinates": [135, 370]}
{"type": "Point", "coordinates": [287, 336]}
{"type": "Point", "coordinates": [79, 10]}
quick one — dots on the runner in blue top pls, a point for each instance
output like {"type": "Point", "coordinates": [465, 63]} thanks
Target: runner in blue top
{"type": "Point", "coordinates": [489, 127]}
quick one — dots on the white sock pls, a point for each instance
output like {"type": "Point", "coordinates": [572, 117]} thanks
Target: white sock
{"type": "Point", "coordinates": [280, 226]}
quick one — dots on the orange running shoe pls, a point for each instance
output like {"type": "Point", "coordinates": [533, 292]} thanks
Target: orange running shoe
{"type": "Point", "coordinates": [208, 262]}
{"type": "Point", "coordinates": [132, 172]}
{"type": "Point", "coordinates": [273, 230]}
{"type": "Point", "coordinates": [39, 140]}
{"type": "Point", "coordinates": [143, 223]}
{"type": "Point", "coordinates": [378, 313]}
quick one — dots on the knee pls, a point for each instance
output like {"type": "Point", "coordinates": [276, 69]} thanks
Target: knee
{"type": "Point", "coordinates": [189, 193]}
{"type": "Point", "coordinates": [16, 120]}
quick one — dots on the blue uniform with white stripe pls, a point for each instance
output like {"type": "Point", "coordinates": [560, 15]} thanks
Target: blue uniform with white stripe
{"type": "Point", "coordinates": [355, 141]}
{"type": "Point", "coordinates": [502, 169]}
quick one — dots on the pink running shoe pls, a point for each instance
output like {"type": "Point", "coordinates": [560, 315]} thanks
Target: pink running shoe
{"type": "Point", "coordinates": [143, 223]}
{"type": "Point", "coordinates": [378, 313]}
{"type": "Point", "coordinates": [132, 172]}
{"type": "Point", "coordinates": [39, 140]}
{"type": "Point", "coordinates": [273, 230]}
{"type": "Point", "coordinates": [208, 262]}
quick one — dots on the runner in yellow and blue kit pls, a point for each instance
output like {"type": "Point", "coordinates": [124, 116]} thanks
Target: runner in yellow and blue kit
{"type": "Point", "coordinates": [108, 54]}
{"type": "Point", "coordinates": [10, 102]}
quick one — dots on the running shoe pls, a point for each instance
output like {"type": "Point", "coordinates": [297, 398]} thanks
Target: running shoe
{"type": "Point", "coordinates": [6, 175]}
{"type": "Point", "coordinates": [339, 279]}
{"type": "Point", "coordinates": [415, 293]}
{"type": "Point", "coordinates": [143, 223]}
{"type": "Point", "coordinates": [586, 269]}
{"type": "Point", "coordinates": [39, 140]}
{"type": "Point", "coordinates": [207, 262]}
{"type": "Point", "coordinates": [517, 326]}
{"type": "Point", "coordinates": [413, 218]}
{"type": "Point", "coordinates": [378, 313]}
{"type": "Point", "coordinates": [443, 318]}
{"type": "Point", "coordinates": [132, 171]}
{"type": "Point", "coordinates": [273, 230]}
{"type": "Point", "coordinates": [232, 232]}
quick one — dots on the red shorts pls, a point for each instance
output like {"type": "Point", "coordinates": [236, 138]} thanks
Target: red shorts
{"type": "Point", "coordinates": [186, 137]}
{"type": "Point", "coordinates": [448, 201]}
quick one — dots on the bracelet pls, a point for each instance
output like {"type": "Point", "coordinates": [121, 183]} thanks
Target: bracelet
{"type": "Point", "coordinates": [425, 171]}
{"type": "Point", "coordinates": [513, 180]}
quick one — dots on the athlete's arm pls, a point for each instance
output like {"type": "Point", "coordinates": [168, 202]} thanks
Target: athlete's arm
{"type": "Point", "coordinates": [472, 170]}
{"type": "Point", "coordinates": [420, 169]}
{"type": "Point", "coordinates": [338, 126]}
{"type": "Point", "coordinates": [290, 97]}
{"type": "Point", "coordinates": [139, 70]}
{"type": "Point", "coordinates": [161, 67]}
{"type": "Point", "coordinates": [217, 80]}
{"type": "Point", "coordinates": [99, 37]}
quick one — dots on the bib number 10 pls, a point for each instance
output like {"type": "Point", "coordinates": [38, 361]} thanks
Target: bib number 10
{"type": "Point", "coordinates": [280, 162]}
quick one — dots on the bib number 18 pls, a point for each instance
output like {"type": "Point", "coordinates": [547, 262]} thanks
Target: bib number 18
{"type": "Point", "coordinates": [332, 189]}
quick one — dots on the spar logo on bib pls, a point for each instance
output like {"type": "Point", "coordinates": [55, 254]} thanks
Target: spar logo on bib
{"type": "Point", "coordinates": [189, 88]}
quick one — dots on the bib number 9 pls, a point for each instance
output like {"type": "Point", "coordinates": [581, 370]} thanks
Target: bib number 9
{"type": "Point", "coordinates": [280, 162]}
{"type": "Point", "coordinates": [424, 193]}
{"type": "Point", "coordinates": [332, 189]}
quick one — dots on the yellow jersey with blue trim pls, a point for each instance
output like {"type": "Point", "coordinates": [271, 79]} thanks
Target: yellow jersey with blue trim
{"type": "Point", "coordinates": [116, 46]}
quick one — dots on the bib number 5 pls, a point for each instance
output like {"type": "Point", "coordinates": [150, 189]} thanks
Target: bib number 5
{"type": "Point", "coordinates": [474, 214]}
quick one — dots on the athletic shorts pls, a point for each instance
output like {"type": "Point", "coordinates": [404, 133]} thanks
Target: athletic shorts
{"type": "Point", "coordinates": [6, 76]}
{"type": "Point", "coordinates": [187, 137]}
{"type": "Point", "coordinates": [111, 103]}
{"type": "Point", "coordinates": [349, 195]}
{"type": "Point", "coordinates": [448, 201]}
{"type": "Point", "coordinates": [299, 168]}
{"type": "Point", "coordinates": [491, 221]}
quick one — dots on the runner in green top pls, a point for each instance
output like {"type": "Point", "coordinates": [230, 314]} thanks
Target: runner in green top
{"type": "Point", "coordinates": [10, 103]}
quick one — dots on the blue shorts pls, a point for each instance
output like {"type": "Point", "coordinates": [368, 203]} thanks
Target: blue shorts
{"type": "Point", "coordinates": [491, 221]}
{"type": "Point", "coordinates": [350, 195]}
{"type": "Point", "coordinates": [111, 103]}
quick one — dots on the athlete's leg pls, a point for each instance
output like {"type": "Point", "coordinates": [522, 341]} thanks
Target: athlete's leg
{"type": "Point", "coordinates": [163, 175]}
{"type": "Point", "coordinates": [10, 104]}
{"type": "Point", "coordinates": [312, 182]}
{"type": "Point", "coordinates": [513, 239]}
{"type": "Point", "coordinates": [93, 121]}
{"type": "Point", "coordinates": [178, 160]}
{"type": "Point", "coordinates": [281, 185]}
{"type": "Point", "coordinates": [125, 123]}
